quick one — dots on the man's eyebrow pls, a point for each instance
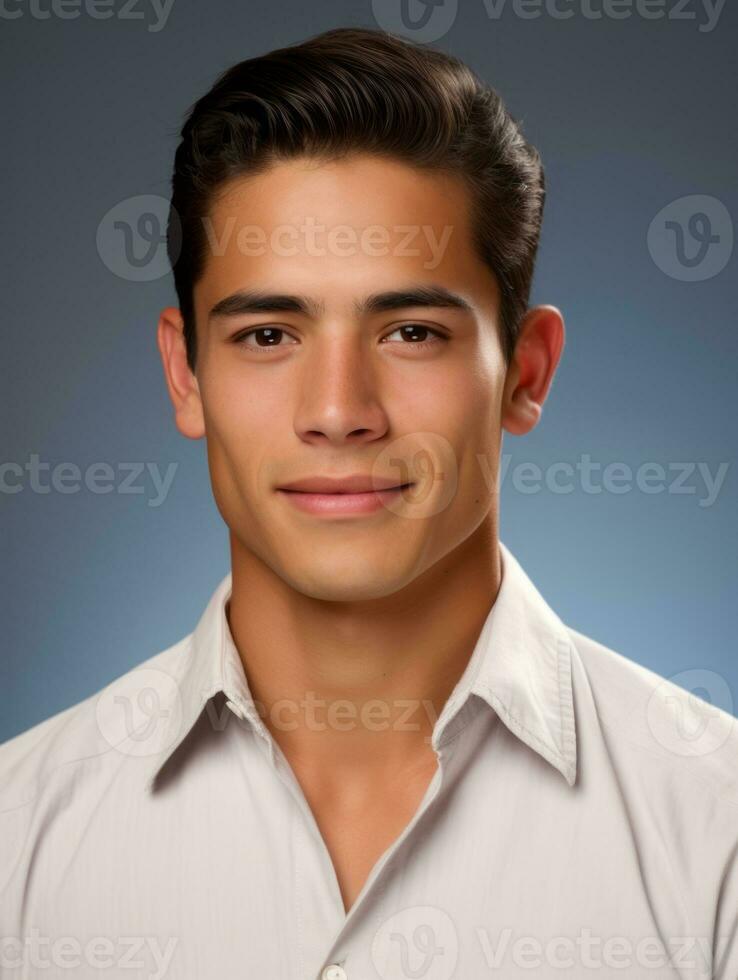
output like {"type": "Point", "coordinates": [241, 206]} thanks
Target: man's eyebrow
{"type": "Point", "coordinates": [424, 295]}
{"type": "Point", "coordinates": [255, 301]}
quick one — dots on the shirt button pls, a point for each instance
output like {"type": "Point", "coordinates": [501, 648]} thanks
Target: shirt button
{"type": "Point", "coordinates": [235, 709]}
{"type": "Point", "coordinates": [334, 972]}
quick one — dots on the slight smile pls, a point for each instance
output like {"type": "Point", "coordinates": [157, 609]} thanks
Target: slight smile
{"type": "Point", "coordinates": [348, 495]}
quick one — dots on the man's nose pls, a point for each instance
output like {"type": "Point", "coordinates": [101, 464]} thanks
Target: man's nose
{"type": "Point", "coordinates": [340, 397]}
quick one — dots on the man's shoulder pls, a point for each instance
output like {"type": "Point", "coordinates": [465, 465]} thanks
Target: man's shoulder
{"type": "Point", "coordinates": [677, 727]}
{"type": "Point", "coordinates": [86, 733]}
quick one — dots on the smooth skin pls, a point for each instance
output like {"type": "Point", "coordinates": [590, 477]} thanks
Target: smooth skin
{"type": "Point", "coordinates": [375, 608]}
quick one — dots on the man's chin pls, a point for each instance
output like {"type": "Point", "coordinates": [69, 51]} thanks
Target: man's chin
{"type": "Point", "coordinates": [355, 580]}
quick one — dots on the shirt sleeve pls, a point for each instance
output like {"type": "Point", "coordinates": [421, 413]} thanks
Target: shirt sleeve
{"type": "Point", "coordinates": [725, 945]}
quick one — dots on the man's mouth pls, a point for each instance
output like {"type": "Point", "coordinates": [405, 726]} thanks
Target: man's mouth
{"type": "Point", "coordinates": [351, 483]}
{"type": "Point", "coordinates": [356, 494]}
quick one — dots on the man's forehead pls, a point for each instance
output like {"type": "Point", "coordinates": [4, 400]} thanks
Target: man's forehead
{"type": "Point", "coordinates": [370, 188]}
{"type": "Point", "coordinates": [341, 253]}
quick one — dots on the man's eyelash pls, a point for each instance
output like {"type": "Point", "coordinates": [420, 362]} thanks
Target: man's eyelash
{"type": "Point", "coordinates": [437, 335]}
{"type": "Point", "coordinates": [252, 330]}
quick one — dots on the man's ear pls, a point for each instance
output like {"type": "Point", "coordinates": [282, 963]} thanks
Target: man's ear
{"type": "Point", "coordinates": [532, 367]}
{"type": "Point", "coordinates": [181, 382]}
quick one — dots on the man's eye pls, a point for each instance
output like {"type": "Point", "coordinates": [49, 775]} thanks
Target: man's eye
{"type": "Point", "coordinates": [263, 337]}
{"type": "Point", "coordinates": [416, 335]}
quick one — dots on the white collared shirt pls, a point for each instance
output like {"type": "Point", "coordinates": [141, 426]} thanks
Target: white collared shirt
{"type": "Point", "coordinates": [582, 822]}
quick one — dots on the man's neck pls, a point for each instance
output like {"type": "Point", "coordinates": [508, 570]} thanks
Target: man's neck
{"type": "Point", "coordinates": [359, 685]}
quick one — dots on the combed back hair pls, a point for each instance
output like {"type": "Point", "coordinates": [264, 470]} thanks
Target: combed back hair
{"type": "Point", "coordinates": [354, 90]}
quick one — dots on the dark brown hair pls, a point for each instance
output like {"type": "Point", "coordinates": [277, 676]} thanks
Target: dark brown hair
{"type": "Point", "coordinates": [354, 90]}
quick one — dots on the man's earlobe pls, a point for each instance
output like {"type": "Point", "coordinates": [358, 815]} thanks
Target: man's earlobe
{"type": "Point", "coordinates": [181, 382]}
{"type": "Point", "coordinates": [532, 367]}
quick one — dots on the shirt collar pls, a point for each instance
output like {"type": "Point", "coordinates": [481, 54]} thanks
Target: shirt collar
{"type": "Point", "coordinates": [520, 666]}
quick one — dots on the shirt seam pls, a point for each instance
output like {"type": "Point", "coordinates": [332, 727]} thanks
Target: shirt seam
{"type": "Point", "coordinates": [564, 647]}
{"type": "Point", "coordinates": [545, 750]}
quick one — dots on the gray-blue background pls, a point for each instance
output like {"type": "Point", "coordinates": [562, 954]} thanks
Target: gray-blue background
{"type": "Point", "coordinates": [629, 114]}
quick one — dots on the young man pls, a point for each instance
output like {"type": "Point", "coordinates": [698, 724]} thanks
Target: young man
{"type": "Point", "coordinates": [380, 753]}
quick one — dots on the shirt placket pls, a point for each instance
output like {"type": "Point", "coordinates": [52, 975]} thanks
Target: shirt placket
{"type": "Point", "coordinates": [326, 934]}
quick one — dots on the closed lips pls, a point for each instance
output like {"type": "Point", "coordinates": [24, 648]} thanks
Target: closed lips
{"type": "Point", "coordinates": [351, 484]}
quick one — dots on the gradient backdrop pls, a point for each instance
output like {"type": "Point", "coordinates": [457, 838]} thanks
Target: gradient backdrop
{"type": "Point", "coordinates": [633, 109]}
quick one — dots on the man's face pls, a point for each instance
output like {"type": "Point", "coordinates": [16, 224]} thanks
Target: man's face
{"type": "Point", "coordinates": [341, 389]}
